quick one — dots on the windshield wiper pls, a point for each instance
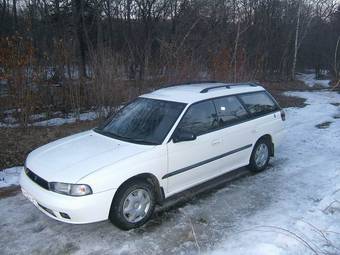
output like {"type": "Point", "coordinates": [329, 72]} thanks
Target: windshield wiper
{"type": "Point", "coordinates": [133, 140]}
{"type": "Point", "coordinates": [127, 139]}
{"type": "Point", "coordinates": [141, 141]}
{"type": "Point", "coordinates": [102, 132]}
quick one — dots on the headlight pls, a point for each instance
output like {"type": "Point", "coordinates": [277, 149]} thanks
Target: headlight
{"type": "Point", "coordinates": [70, 189]}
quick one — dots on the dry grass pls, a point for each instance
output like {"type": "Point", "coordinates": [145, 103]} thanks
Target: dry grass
{"type": "Point", "coordinates": [9, 191]}
{"type": "Point", "coordinates": [277, 89]}
{"type": "Point", "coordinates": [16, 143]}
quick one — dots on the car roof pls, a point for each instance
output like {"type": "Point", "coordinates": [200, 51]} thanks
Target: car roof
{"type": "Point", "coordinates": [194, 92]}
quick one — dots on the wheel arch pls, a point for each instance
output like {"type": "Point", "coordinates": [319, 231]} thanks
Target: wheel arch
{"type": "Point", "coordinates": [269, 138]}
{"type": "Point", "coordinates": [152, 179]}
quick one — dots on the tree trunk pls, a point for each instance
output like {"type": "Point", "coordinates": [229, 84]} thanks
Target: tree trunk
{"type": "Point", "coordinates": [336, 72]}
{"type": "Point", "coordinates": [78, 22]}
{"type": "Point", "coordinates": [3, 13]}
{"type": "Point", "coordinates": [297, 28]}
{"type": "Point", "coordinates": [128, 16]}
{"type": "Point", "coordinates": [110, 20]}
{"type": "Point", "coordinates": [174, 18]}
{"type": "Point", "coordinates": [15, 17]}
{"type": "Point", "coordinates": [234, 58]}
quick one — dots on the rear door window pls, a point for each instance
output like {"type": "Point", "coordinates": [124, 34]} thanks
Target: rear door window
{"type": "Point", "coordinates": [258, 103]}
{"type": "Point", "coordinates": [229, 111]}
{"type": "Point", "coordinates": [199, 119]}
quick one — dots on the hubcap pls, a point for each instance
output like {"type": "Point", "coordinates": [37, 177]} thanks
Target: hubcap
{"type": "Point", "coordinates": [261, 155]}
{"type": "Point", "coordinates": [136, 205]}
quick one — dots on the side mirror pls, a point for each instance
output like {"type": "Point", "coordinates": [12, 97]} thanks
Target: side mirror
{"type": "Point", "coordinates": [182, 136]}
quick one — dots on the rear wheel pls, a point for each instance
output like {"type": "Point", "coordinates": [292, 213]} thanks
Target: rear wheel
{"type": "Point", "coordinates": [260, 156]}
{"type": "Point", "coordinates": [133, 204]}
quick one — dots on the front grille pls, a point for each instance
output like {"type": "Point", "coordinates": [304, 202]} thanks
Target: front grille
{"type": "Point", "coordinates": [37, 179]}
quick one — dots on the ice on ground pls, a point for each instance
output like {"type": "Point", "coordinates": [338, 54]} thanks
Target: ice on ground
{"type": "Point", "coordinates": [289, 209]}
{"type": "Point", "coordinates": [10, 176]}
{"type": "Point", "coordinates": [309, 80]}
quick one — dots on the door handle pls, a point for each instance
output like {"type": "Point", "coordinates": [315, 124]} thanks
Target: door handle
{"type": "Point", "coordinates": [215, 142]}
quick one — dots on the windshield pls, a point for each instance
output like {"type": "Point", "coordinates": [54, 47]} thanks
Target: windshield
{"type": "Point", "coordinates": [144, 121]}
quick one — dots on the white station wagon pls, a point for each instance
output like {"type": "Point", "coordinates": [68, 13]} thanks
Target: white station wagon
{"type": "Point", "coordinates": [158, 145]}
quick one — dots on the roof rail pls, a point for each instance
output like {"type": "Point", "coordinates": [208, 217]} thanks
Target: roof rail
{"type": "Point", "coordinates": [228, 86]}
{"type": "Point", "coordinates": [190, 82]}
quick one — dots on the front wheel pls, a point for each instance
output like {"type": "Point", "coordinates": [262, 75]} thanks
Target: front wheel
{"type": "Point", "coordinates": [133, 205]}
{"type": "Point", "coordinates": [260, 156]}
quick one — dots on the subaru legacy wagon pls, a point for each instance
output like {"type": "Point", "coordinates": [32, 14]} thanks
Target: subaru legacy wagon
{"type": "Point", "coordinates": [158, 145]}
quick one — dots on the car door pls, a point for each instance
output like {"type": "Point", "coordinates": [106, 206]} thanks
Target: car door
{"type": "Point", "coordinates": [237, 132]}
{"type": "Point", "coordinates": [191, 162]}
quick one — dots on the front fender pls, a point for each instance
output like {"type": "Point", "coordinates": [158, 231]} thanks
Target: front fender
{"type": "Point", "coordinates": [111, 177]}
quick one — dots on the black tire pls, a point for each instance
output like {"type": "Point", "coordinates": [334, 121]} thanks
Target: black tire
{"type": "Point", "coordinates": [116, 215]}
{"type": "Point", "coordinates": [253, 165]}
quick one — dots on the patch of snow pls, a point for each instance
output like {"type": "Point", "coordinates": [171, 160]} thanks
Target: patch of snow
{"type": "Point", "coordinates": [38, 116]}
{"type": "Point", "coordinates": [69, 119]}
{"type": "Point", "coordinates": [10, 111]}
{"type": "Point", "coordinates": [10, 176]}
{"type": "Point", "coordinates": [10, 122]}
{"type": "Point", "coordinates": [309, 80]}
{"type": "Point", "coordinates": [55, 122]}
{"type": "Point", "coordinates": [10, 119]}
{"type": "Point", "coordinates": [7, 125]}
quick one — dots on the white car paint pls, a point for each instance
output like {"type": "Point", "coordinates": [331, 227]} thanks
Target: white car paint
{"type": "Point", "coordinates": [105, 163]}
{"type": "Point", "coordinates": [70, 159]}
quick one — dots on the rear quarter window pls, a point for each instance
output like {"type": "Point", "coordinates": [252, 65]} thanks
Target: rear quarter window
{"type": "Point", "coordinates": [259, 103]}
{"type": "Point", "coordinates": [229, 111]}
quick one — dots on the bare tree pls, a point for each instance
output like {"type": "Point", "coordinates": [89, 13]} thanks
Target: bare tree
{"type": "Point", "coordinates": [152, 41]}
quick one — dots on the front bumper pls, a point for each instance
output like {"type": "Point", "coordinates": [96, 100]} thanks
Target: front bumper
{"type": "Point", "coordinates": [85, 209]}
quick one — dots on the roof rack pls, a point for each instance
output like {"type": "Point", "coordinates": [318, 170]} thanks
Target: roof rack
{"type": "Point", "coordinates": [190, 82]}
{"type": "Point", "coordinates": [228, 86]}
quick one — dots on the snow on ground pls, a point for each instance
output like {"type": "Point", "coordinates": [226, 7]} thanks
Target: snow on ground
{"type": "Point", "coordinates": [70, 118]}
{"type": "Point", "coordinates": [10, 176]}
{"type": "Point", "coordinates": [309, 80]}
{"type": "Point", "coordinates": [291, 208]}
{"type": "Point", "coordinates": [67, 120]}
{"type": "Point", "coordinates": [305, 218]}
{"type": "Point", "coordinates": [56, 118]}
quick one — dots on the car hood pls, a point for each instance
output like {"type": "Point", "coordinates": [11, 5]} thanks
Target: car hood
{"type": "Point", "coordinates": [74, 157]}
